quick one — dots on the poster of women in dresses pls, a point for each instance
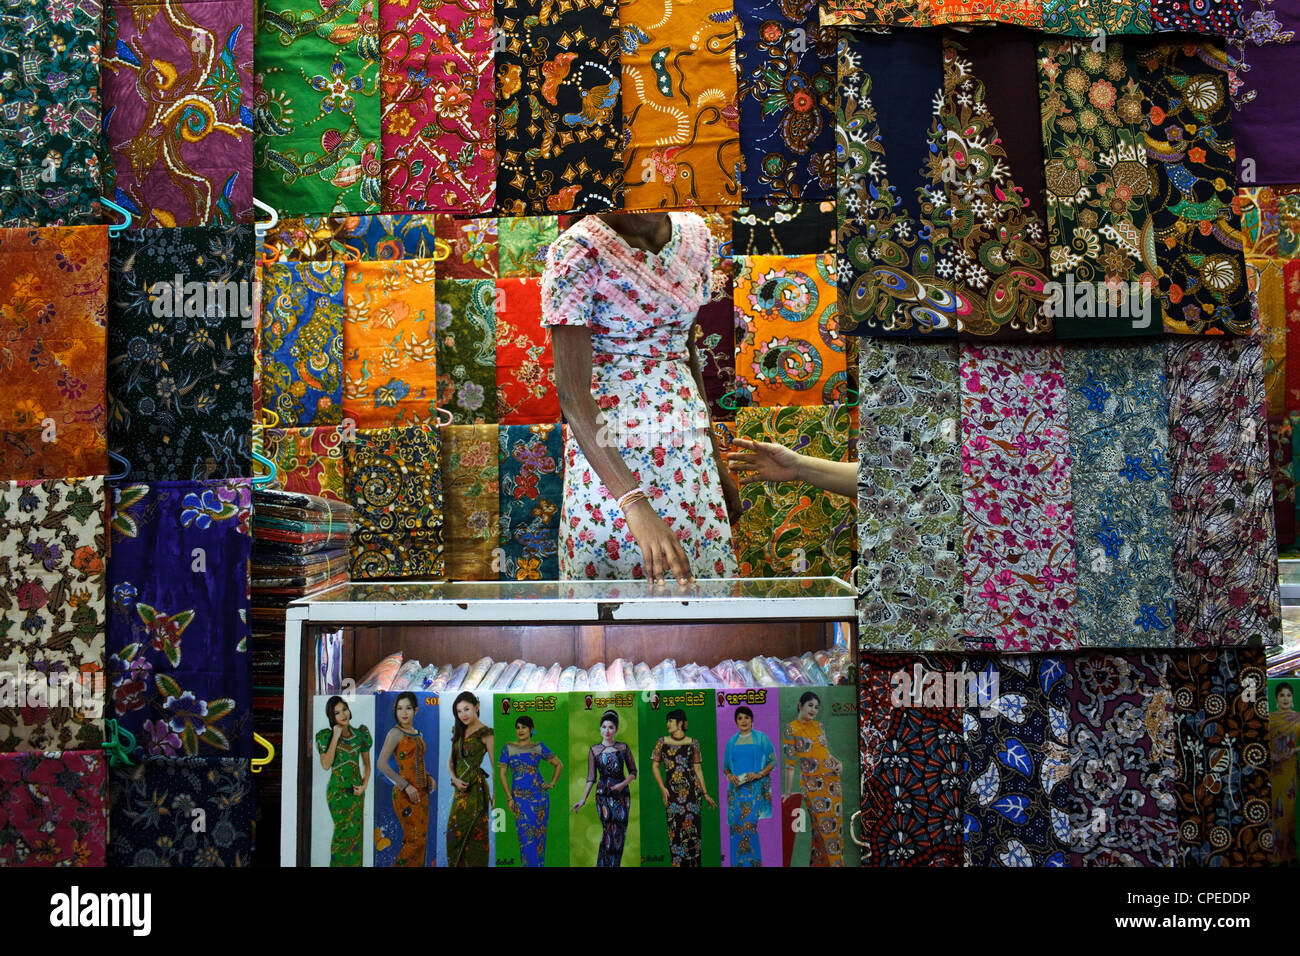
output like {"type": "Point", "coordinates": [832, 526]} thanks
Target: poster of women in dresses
{"type": "Point", "coordinates": [1284, 753]}
{"type": "Point", "coordinates": [819, 775]}
{"type": "Point", "coordinates": [406, 761]}
{"type": "Point", "coordinates": [749, 733]}
{"type": "Point", "coordinates": [532, 733]}
{"type": "Point", "coordinates": [679, 757]}
{"type": "Point", "coordinates": [605, 781]}
{"type": "Point", "coordinates": [465, 779]}
{"type": "Point", "coordinates": [342, 795]}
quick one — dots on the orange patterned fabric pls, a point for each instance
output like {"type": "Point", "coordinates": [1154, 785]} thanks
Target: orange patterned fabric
{"type": "Point", "coordinates": [53, 352]}
{"type": "Point", "coordinates": [390, 375]}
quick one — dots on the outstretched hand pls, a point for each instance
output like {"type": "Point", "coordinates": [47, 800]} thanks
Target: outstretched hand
{"type": "Point", "coordinates": [762, 461]}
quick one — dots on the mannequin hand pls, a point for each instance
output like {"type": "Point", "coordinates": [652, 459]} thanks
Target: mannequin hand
{"type": "Point", "coordinates": [763, 461]}
{"type": "Point", "coordinates": [661, 552]}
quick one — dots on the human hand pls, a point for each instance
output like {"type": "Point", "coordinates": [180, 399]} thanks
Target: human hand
{"type": "Point", "coordinates": [661, 552]}
{"type": "Point", "coordinates": [412, 794]}
{"type": "Point", "coordinates": [763, 461]}
{"type": "Point", "coordinates": [664, 790]}
{"type": "Point", "coordinates": [730, 495]}
{"type": "Point", "coordinates": [358, 790]}
{"type": "Point", "coordinates": [734, 780]}
{"type": "Point", "coordinates": [578, 806]}
{"type": "Point", "coordinates": [710, 801]}
{"type": "Point", "coordinates": [459, 784]}
{"type": "Point", "coordinates": [337, 731]}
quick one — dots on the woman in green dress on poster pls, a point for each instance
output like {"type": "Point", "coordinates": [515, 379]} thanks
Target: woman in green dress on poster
{"type": "Point", "coordinates": [345, 755]}
{"type": "Point", "coordinates": [467, 821]}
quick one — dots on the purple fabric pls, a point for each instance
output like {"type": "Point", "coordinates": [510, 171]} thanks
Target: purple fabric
{"type": "Point", "coordinates": [1267, 124]}
{"type": "Point", "coordinates": [178, 97]}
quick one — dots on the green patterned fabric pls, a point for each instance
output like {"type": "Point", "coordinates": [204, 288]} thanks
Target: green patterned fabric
{"type": "Point", "coordinates": [317, 114]}
{"type": "Point", "coordinates": [523, 241]}
{"type": "Point", "coordinates": [466, 344]}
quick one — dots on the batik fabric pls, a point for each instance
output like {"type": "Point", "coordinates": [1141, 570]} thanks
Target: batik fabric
{"type": "Point", "coordinates": [525, 364]}
{"type": "Point", "coordinates": [465, 322]}
{"type": "Point", "coordinates": [471, 487]}
{"type": "Point", "coordinates": [302, 342]}
{"type": "Point", "coordinates": [530, 466]}
{"type": "Point", "coordinates": [308, 460]}
{"type": "Point", "coordinates": [52, 810]}
{"type": "Point", "coordinates": [395, 485]}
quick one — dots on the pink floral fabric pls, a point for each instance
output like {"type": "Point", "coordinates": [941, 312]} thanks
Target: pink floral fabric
{"type": "Point", "coordinates": [641, 309]}
{"type": "Point", "coordinates": [438, 129]}
{"type": "Point", "coordinates": [1018, 525]}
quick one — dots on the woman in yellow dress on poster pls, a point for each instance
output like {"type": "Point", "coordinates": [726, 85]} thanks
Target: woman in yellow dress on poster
{"type": "Point", "coordinates": [1284, 740]}
{"type": "Point", "coordinates": [804, 744]}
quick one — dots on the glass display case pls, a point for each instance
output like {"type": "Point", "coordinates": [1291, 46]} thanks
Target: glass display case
{"type": "Point", "coordinates": [336, 637]}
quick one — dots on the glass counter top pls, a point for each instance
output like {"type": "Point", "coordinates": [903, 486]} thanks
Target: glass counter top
{"type": "Point", "coordinates": [541, 602]}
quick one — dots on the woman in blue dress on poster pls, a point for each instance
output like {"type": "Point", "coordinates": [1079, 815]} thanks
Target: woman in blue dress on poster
{"type": "Point", "coordinates": [748, 762]}
{"type": "Point", "coordinates": [527, 794]}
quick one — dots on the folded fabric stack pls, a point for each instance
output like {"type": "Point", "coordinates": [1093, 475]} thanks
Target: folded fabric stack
{"type": "Point", "coordinates": [812, 669]}
{"type": "Point", "coordinates": [300, 547]}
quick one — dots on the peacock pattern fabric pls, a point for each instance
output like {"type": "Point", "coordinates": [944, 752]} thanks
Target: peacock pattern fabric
{"type": "Point", "coordinates": [1122, 760]}
{"type": "Point", "coordinates": [1017, 520]}
{"type": "Point", "coordinates": [1190, 152]}
{"type": "Point", "coordinates": [179, 668]}
{"type": "Point", "coordinates": [1225, 574]}
{"type": "Point", "coordinates": [177, 82]}
{"type": "Point", "coordinates": [437, 138]}
{"type": "Point", "coordinates": [465, 322]}
{"type": "Point", "coordinates": [395, 485]}
{"type": "Point", "coordinates": [789, 351]}
{"type": "Point", "coordinates": [1018, 788]}
{"type": "Point", "coordinates": [53, 809]}
{"type": "Point", "coordinates": [1116, 401]}
{"type": "Point", "coordinates": [1095, 170]}
{"type": "Point", "coordinates": [50, 153]}
{"type": "Point", "coordinates": [681, 118]}
{"type": "Point", "coordinates": [559, 127]}
{"type": "Point", "coordinates": [894, 270]}
{"type": "Point", "coordinates": [791, 529]}
{"type": "Point", "coordinates": [786, 92]}
{"type": "Point", "coordinates": [390, 376]}
{"type": "Point", "coordinates": [302, 343]}
{"type": "Point", "coordinates": [53, 348]}
{"type": "Point", "coordinates": [52, 549]}
{"type": "Point", "coordinates": [180, 352]}
{"type": "Point", "coordinates": [913, 763]}
{"type": "Point", "coordinates": [1221, 765]}
{"type": "Point", "coordinates": [910, 496]}
{"type": "Point", "coordinates": [317, 110]}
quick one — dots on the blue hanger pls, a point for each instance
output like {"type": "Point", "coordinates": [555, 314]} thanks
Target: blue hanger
{"type": "Point", "coordinates": [126, 467]}
{"type": "Point", "coordinates": [264, 480]}
{"type": "Point", "coordinates": [117, 230]}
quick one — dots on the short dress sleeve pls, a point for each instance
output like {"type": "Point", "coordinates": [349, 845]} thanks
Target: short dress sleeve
{"type": "Point", "coordinates": [568, 281]}
{"type": "Point", "coordinates": [365, 741]}
{"type": "Point", "coordinates": [546, 752]}
{"type": "Point", "coordinates": [323, 740]}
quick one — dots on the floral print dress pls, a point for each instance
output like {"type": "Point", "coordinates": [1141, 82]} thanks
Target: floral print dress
{"type": "Point", "coordinates": [641, 308]}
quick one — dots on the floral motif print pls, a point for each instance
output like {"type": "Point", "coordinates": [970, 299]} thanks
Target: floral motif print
{"type": "Point", "coordinates": [178, 666]}
{"type": "Point", "coordinates": [1017, 525]}
{"type": "Point", "coordinates": [894, 267]}
{"type": "Point", "coordinates": [302, 342]}
{"type": "Point", "coordinates": [1095, 163]}
{"type": "Point", "coordinates": [317, 110]}
{"type": "Point", "coordinates": [465, 322]}
{"type": "Point", "coordinates": [522, 243]}
{"type": "Point", "coordinates": [387, 237]}
{"type": "Point", "coordinates": [683, 808]}
{"type": "Point", "coordinates": [1221, 769]}
{"type": "Point", "coordinates": [715, 346]}
{"type": "Point", "coordinates": [52, 349]}
{"type": "Point", "coordinates": [1120, 477]}
{"type": "Point", "coordinates": [786, 97]}
{"type": "Point", "coordinates": [1270, 222]}
{"type": "Point", "coordinates": [389, 343]}
{"type": "Point", "coordinates": [791, 529]}
{"type": "Point", "coordinates": [469, 469]}
{"type": "Point", "coordinates": [473, 245]}
{"type": "Point", "coordinates": [178, 104]}
{"type": "Point", "coordinates": [1190, 152]}
{"type": "Point", "coordinates": [909, 497]}
{"type": "Point", "coordinates": [1122, 762]}
{"type": "Point", "coordinates": [681, 121]}
{"type": "Point", "coordinates": [49, 157]}
{"type": "Point", "coordinates": [1267, 283]}
{"type": "Point", "coordinates": [1221, 17]}
{"type": "Point", "coordinates": [52, 810]}
{"type": "Point", "coordinates": [999, 250]}
{"type": "Point", "coordinates": [1281, 431]}
{"type": "Point", "coordinates": [52, 606]}
{"type": "Point", "coordinates": [436, 74]}
{"type": "Point", "coordinates": [180, 361]}
{"type": "Point", "coordinates": [1225, 585]}
{"type": "Point", "coordinates": [395, 485]}
{"type": "Point", "coordinates": [531, 479]}
{"type": "Point", "coordinates": [789, 350]}
{"type": "Point", "coordinates": [307, 460]}
{"type": "Point", "coordinates": [912, 766]}
{"type": "Point", "coordinates": [559, 150]}
{"type": "Point", "coordinates": [152, 812]}
{"type": "Point", "coordinates": [525, 365]}
{"type": "Point", "coordinates": [1018, 788]}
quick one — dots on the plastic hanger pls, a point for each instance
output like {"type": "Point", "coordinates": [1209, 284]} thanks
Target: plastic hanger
{"type": "Point", "coordinates": [261, 481]}
{"type": "Point", "coordinates": [262, 228]}
{"type": "Point", "coordinates": [735, 391]}
{"type": "Point", "coordinates": [443, 411]}
{"type": "Point", "coordinates": [126, 467]}
{"type": "Point", "coordinates": [116, 230]}
{"type": "Point", "coordinates": [260, 762]}
{"type": "Point", "coordinates": [119, 752]}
